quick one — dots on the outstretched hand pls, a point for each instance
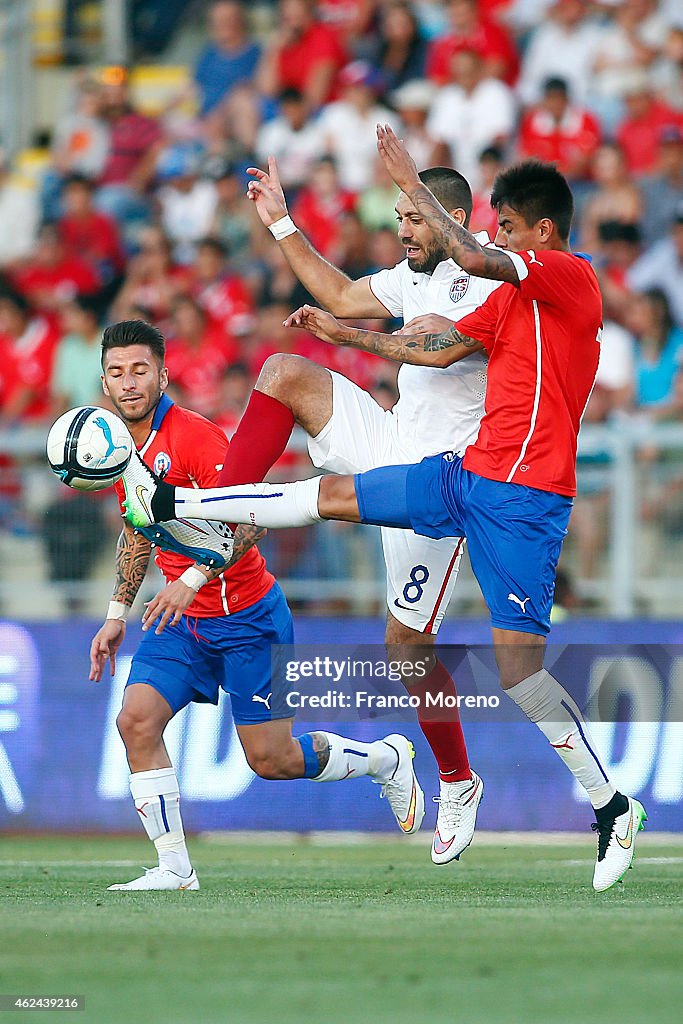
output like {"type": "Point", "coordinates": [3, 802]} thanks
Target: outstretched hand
{"type": "Point", "coordinates": [396, 158]}
{"type": "Point", "coordinates": [427, 323]}
{"type": "Point", "coordinates": [323, 325]}
{"type": "Point", "coordinates": [265, 190]}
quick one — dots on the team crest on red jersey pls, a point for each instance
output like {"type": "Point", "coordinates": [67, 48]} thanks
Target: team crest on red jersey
{"type": "Point", "coordinates": [162, 464]}
{"type": "Point", "coordinates": [459, 287]}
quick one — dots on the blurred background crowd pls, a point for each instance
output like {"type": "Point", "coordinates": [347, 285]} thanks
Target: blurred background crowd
{"type": "Point", "coordinates": [138, 210]}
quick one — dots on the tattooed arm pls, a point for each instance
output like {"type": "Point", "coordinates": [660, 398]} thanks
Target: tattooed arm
{"type": "Point", "coordinates": [175, 598]}
{"type": "Point", "coordinates": [437, 350]}
{"type": "Point", "coordinates": [461, 246]}
{"type": "Point", "coordinates": [132, 558]}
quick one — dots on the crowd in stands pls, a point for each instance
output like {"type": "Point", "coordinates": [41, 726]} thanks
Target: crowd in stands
{"type": "Point", "coordinates": [146, 216]}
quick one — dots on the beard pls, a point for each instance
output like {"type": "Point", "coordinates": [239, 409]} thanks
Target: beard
{"type": "Point", "coordinates": [141, 413]}
{"type": "Point", "coordinates": [428, 260]}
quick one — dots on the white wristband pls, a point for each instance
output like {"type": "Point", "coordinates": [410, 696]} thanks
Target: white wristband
{"type": "Point", "coordinates": [193, 578]}
{"type": "Point", "coordinates": [118, 610]}
{"type": "Point", "coordinates": [282, 227]}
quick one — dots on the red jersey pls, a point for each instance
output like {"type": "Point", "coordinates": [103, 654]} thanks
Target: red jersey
{"type": "Point", "coordinates": [188, 451]}
{"type": "Point", "coordinates": [198, 370]}
{"type": "Point", "coordinates": [27, 365]}
{"type": "Point", "coordinates": [228, 301]}
{"type": "Point", "coordinates": [60, 282]}
{"type": "Point", "coordinates": [132, 135]}
{"type": "Point", "coordinates": [487, 39]}
{"type": "Point", "coordinates": [568, 144]}
{"type": "Point", "coordinates": [299, 61]}
{"type": "Point", "coordinates": [94, 238]}
{"type": "Point", "coordinates": [543, 340]}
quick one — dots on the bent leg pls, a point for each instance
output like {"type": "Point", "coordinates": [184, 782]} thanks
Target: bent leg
{"type": "Point", "coordinates": [377, 497]}
{"type": "Point", "coordinates": [289, 389]}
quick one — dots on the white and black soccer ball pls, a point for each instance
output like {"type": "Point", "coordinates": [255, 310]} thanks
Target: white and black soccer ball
{"type": "Point", "coordinates": [89, 448]}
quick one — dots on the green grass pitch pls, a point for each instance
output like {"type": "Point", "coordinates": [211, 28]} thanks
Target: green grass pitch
{"type": "Point", "coordinates": [343, 934]}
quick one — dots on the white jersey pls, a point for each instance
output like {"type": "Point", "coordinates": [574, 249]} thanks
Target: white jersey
{"type": "Point", "coordinates": [438, 409]}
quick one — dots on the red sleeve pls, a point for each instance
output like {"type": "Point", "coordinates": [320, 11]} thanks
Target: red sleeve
{"type": "Point", "coordinates": [527, 137]}
{"type": "Point", "coordinates": [482, 322]}
{"type": "Point", "coordinates": [436, 60]}
{"type": "Point", "coordinates": [550, 276]}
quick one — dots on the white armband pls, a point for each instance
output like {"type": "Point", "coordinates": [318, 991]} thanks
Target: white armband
{"type": "Point", "coordinates": [193, 578]}
{"type": "Point", "coordinates": [282, 227]}
{"type": "Point", "coordinates": [118, 610]}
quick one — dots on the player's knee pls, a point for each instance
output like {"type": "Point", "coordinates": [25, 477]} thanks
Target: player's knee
{"type": "Point", "coordinates": [137, 729]}
{"type": "Point", "coordinates": [279, 375]}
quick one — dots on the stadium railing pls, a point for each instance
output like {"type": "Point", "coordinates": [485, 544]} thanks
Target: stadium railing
{"type": "Point", "coordinates": [622, 556]}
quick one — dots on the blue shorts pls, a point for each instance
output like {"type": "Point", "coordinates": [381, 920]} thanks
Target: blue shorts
{"type": "Point", "coordinates": [514, 533]}
{"type": "Point", "coordinates": [197, 658]}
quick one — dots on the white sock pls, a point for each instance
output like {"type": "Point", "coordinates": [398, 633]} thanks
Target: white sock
{"type": "Point", "coordinates": [269, 505]}
{"type": "Point", "coordinates": [350, 759]}
{"type": "Point", "coordinates": [551, 708]}
{"type": "Point", "coordinates": [157, 800]}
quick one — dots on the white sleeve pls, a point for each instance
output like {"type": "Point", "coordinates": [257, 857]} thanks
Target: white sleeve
{"type": "Point", "coordinates": [386, 285]}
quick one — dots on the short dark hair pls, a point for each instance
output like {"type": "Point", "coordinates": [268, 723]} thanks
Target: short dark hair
{"type": "Point", "coordinates": [134, 332]}
{"type": "Point", "coordinates": [555, 84]}
{"type": "Point", "coordinates": [535, 190]}
{"type": "Point", "coordinates": [75, 178]}
{"type": "Point", "coordinates": [217, 245]}
{"type": "Point", "coordinates": [88, 304]}
{"type": "Point", "coordinates": [450, 188]}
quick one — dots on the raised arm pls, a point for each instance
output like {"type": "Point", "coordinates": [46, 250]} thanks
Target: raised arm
{"type": "Point", "coordinates": [330, 286]}
{"type": "Point", "coordinates": [437, 350]}
{"type": "Point", "coordinates": [476, 259]}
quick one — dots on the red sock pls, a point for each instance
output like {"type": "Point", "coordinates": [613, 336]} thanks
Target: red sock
{"type": "Point", "coordinates": [442, 727]}
{"type": "Point", "coordinates": [258, 442]}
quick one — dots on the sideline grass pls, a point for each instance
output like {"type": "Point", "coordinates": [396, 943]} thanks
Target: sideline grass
{"type": "Point", "coordinates": [343, 934]}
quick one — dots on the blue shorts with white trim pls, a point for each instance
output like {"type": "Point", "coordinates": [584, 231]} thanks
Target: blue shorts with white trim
{"type": "Point", "coordinates": [196, 659]}
{"type": "Point", "coordinates": [514, 533]}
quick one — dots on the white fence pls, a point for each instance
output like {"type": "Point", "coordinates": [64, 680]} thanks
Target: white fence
{"type": "Point", "coordinates": [624, 553]}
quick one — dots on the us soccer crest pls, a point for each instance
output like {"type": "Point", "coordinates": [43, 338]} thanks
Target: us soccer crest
{"type": "Point", "coordinates": [459, 287]}
{"type": "Point", "coordinates": [162, 464]}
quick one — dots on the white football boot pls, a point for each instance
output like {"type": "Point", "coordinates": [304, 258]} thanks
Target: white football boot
{"type": "Point", "coordinates": [206, 543]}
{"type": "Point", "coordinates": [159, 878]}
{"type": "Point", "coordinates": [616, 845]}
{"type": "Point", "coordinates": [402, 789]}
{"type": "Point", "coordinates": [457, 818]}
{"type": "Point", "coordinates": [140, 485]}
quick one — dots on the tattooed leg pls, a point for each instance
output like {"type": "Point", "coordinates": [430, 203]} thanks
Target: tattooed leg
{"type": "Point", "coordinates": [332, 758]}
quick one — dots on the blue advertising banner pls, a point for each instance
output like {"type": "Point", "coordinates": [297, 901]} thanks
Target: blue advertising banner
{"type": "Point", "coordinates": [62, 763]}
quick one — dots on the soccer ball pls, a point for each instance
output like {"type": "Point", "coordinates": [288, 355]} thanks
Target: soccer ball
{"type": "Point", "coordinates": [89, 448]}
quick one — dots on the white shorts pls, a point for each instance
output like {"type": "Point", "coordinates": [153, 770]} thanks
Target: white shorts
{"type": "Point", "coordinates": [421, 572]}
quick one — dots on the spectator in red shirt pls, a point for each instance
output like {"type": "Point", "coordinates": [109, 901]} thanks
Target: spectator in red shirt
{"type": "Point", "coordinates": [319, 206]}
{"type": "Point", "coordinates": [197, 356]}
{"type": "Point", "coordinates": [639, 132]}
{"type": "Point", "coordinates": [469, 30]}
{"type": "Point", "coordinates": [52, 276]}
{"type": "Point", "coordinates": [305, 55]}
{"type": "Point", "coordinates": [559, 132]}
{"type": "Point", "coordinates": [152, 280]}
{"type": "Point", "coordinates": [27, 350]}
{"type": "Point", "coordinates": [87, 233]}
{"type": "Point", "coordinates": [224, 296]}
{"type": "Point", "coordinates": [135, 142]}
{"type": "Point", "coordinates": [484, 217]}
